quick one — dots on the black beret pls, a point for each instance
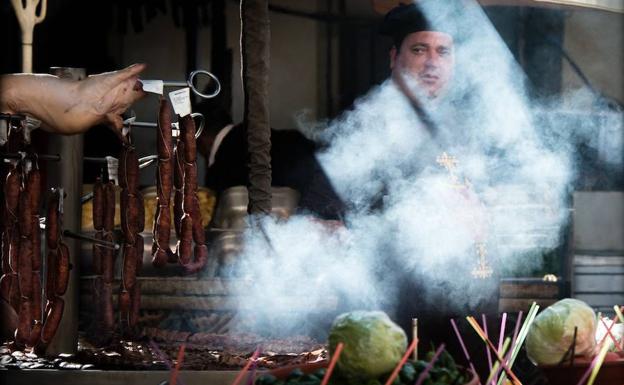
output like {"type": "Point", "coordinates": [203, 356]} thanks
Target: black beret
{"type": "Point", "coordinates": [403, 20]}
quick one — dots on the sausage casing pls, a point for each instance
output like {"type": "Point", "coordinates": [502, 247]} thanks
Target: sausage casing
{"type": "Point", "coordinates": [98, 205]}
{"type": "Point", "coordinates": [52, 222]}
{"type": "Point", "coordinates": [62, 269]}
{"type": "Point", "coordinates": [54, 314]}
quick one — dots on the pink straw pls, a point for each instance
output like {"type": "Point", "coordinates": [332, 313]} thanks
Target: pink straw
{"type": "Point", "coordinates": [174, 374]}
{"type": "Point", "coordinates": [332, 363]}
{"type": "Point", "coordinates": [615, 342]}
{"type": "Point", "coordinates": [589, 370]}
{"type": "Point", "coordinates": [396, 370]}
{"type": "Point", "coordinates": [425, 372]}
{"type": "Point", "coordinates": [515, 335]}
{"type": "Point", "coordinates": [243, 371]}
{"type": "Point", "coordinates": [489, 355]}
{"type": "Point", "coordinates": [461, 342]}
{"type": "Point", "coordinates": [501, 337]}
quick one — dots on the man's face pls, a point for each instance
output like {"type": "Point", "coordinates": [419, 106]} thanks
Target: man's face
{"type": "Point", "coordinates": [428, 57]}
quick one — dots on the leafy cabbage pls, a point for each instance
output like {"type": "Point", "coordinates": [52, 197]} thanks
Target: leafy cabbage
{"type": "Point", "coordinates": [552, 332]}
{"type": "Point", "coordinates": [373, 344]}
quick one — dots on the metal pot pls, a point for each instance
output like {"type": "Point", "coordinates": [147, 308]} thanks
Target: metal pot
{"type": "Point", "coordinates": [231, 211]}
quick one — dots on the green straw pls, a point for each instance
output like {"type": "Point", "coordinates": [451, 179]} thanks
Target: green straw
{"type": "Point", "coordinates": [502, 353]}
{"type": "Point", "coordinates": [524, 330]}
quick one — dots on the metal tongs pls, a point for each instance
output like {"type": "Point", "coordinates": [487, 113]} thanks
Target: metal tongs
{"type": "Point", "coordinates": [190, 83]}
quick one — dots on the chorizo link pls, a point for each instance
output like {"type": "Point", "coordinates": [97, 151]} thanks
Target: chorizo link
{"type": "Point", "coordinates": [129, 266]}
{"type": "Point", "coordinates": [11, 196]}
{"type": "Point", "coordinates": [24, 321]}
{"type": "Point", "coordinates": [188, 136]}
{"type": "Point", "coordinates": [24, 271]}
{"type": "Point", "coordinates": [184, 247]}
{"type": "Point", "coordinates": [54, 314]}
{"type": "Point", "coordinates": [50, 284]}
{"type": "Point", "coordinates": [109, 207]}
{"type": "Point", "coordinates": [62, 269]}
{"type": "Point", "coordinates": [108, 319]}
{"type": "Point", "coordinates": [98, 205]}
{"type": "Point", "coordinates": [178, 183]}
{"type": "Point", "coordinates": [52, 221]}
{"type": "Point", "coordinates": [35, 332]}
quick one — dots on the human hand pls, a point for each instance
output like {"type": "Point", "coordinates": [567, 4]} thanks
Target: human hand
{"type": "Point", "coordinates": [103, 98]}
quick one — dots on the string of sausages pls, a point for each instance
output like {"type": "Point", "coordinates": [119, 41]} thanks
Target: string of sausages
{"type": "Point", "coordinates": [161, 253]}
{"type": "Point", "coordinates": [191, 226]}
{"type": "Point", "coordinates": [191, 251]}
{"type": "Point", "coordinates": [103, 260]}
{"type": "Point", "coordinates": [10, 238]}
{"type": "Point", "coordinates": [132, 223]}
{"type": "Point", "coordinates": [58, 268]}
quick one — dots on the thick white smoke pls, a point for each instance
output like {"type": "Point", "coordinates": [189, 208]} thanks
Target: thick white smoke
{"type": "Point", "coordinates": [409, 215]}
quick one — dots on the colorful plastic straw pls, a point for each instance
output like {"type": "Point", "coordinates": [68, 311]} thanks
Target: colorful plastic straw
{"type": "Point", "coordinates": [463, 346]}
{"type": "Point", "coordinates": [253, 367]}
{"type": "Point", "coordinates": [487, 351]}
{"type": "Point", "coordinates": [516, 328]}
{"type": "Point", "coordinates": [501, 336]}
{"type": "Point", "coordinates": [524, 330]}
{"type": "Point", "coordinates": [604, 338]}
{"type": "Point", "coordinates": [174, 373]}
{"type": "Point", "coordinates": [496, 369]}
{"type": "Point", "coordinates": [244, 370]}
{"type": "Point", "coordinates": [396, 370]}
{"type": "Point", "coordinates": [481, 334]}
{"type": "Point", "coordinates": [594, 368]}
{"type": "Point", "coordinates": [332, 363]}
{"type": "Point", "coordinates": [615, 341]}
{"type": "Point", "coordinates": [425, 372]}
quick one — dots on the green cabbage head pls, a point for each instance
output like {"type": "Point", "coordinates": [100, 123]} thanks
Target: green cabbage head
{"type": "Point", "coordinates": [552, 332]}
{"type": "Point", "coordinates": [373, 344]}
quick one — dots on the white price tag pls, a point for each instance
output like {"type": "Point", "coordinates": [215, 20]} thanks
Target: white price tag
{"type": "Point", "coordinates": [181, 101]}
{"type": "Point", "coordinates": [153, 86]}
{"type": "Point", "coordinates": [112, 165]}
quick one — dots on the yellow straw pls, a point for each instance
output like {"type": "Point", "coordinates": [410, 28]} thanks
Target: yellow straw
{"type": "Point", "coordinates": [601, 356]}
{"type": "Point", "coordinates": [481, 334]}
{"type": "Point", "coordinates": [502, 352]}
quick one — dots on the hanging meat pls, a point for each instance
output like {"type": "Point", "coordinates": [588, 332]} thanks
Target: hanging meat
{"type": "Point", "coordinates": [10, 238]}
{"type": "Point", "coordinates": [191, 230]}
{"type": "Point", "coordinates": [161, 253]}
{"type": "Point", "coordinates": [132, 223]}
{"type": "Point", "coordinates": [58, 269]}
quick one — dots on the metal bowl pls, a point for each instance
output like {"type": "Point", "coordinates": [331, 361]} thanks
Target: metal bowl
{"type": "Point", "coordinates": [231, 211]}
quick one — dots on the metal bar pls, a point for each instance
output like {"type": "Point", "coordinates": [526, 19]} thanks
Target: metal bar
{"type": "Point", "coordinates": [94, 159]}
{"type": "Point", "coordinates": [81, 237]}
{"type": "Point", "coordinates": [52, 158]}
{"type": "Point", "coordinates": [175, 84]}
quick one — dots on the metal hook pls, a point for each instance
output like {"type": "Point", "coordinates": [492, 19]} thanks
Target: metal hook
{"type": "Point", "coordinates": [189, 83]}
{"type": "Point", "coordinates": [210, 75]}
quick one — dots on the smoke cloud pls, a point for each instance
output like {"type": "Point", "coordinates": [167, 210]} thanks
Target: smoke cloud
{"type": "Point", "coordinates": [412, 218]}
